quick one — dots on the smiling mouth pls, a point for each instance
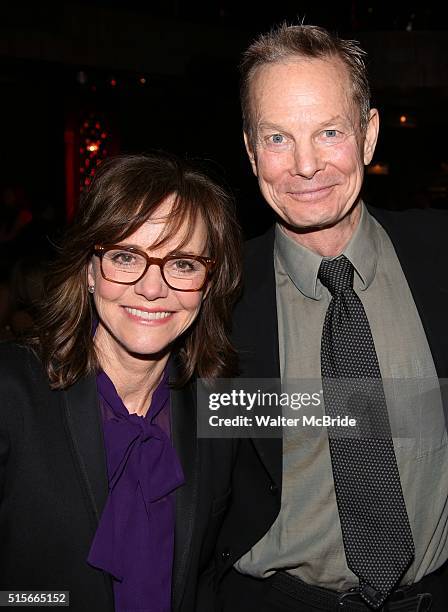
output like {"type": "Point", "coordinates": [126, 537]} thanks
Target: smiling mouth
{"type": "Point", "coordinates": [309, 193]}
{"type": "Point", "coordinates": [149, 316]}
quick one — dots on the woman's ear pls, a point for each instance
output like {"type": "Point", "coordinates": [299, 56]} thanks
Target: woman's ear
{"type": "Point", "coordinates": [90, 275]}
{"type": "Point", "coordinates": [207, 289]}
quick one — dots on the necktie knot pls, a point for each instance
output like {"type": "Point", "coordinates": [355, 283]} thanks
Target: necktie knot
{"type": "Point", "coordinates": [336, 274]}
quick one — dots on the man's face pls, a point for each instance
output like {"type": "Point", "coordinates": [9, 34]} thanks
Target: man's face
{"type": "Point", "coordinates": [309, 153]}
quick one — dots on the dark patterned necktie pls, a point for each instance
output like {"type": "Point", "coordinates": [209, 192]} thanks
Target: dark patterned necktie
{"type": "Point", "coordinates": [375, 526]}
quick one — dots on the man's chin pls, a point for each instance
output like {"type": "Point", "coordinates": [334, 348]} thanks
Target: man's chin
{"type": "Point", "coordinates": [314, 220]}
{"type": "Point", "coordinates": [307, 225]}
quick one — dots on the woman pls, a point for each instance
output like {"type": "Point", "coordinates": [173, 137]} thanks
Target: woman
{"type": "Point", "coordinates": [105, 490]}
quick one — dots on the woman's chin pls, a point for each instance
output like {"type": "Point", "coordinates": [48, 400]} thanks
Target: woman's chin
{"type": "Point", "coordinates": [152, 352]}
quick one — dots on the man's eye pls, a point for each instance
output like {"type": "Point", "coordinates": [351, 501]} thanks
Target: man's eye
{"type": "Point", "coordinates": [331, 133]}
{"type": "Point", "coordinates": [277, 139]}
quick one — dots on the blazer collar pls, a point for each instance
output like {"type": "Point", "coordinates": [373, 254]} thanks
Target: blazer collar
{"type": "Point", "coordinates": [426, 281]}
{"type": "Point", "coordinates": [422, 264]}
{"type": "Point", "coordinates": [83, 423]}
{"type": "Point", "coordinates": [183, 431]}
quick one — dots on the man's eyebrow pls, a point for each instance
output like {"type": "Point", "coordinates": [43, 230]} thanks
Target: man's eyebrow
{"type": "Point", "coordinates": [270, 126]}
{"type": "Point", "coordinates": [266, 125]}
{"type": "Point", "coordinates": [335, 119]}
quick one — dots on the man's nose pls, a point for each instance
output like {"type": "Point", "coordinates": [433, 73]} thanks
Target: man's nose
{"type": "Point", "coordinates": [151, 285]}
{"type": "Point", "coordinates": [307, 160]}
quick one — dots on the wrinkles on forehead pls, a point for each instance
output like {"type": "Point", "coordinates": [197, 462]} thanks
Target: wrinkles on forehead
{"type": "Point", "coordinates": [266, 92]}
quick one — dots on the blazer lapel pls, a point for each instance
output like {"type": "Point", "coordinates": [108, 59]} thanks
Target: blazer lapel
{"type": "Point", "coordinates": [420, 252]}
{"type": "Point", "coordinates": [85, 432]}
{"type": "Point", "coordinates": [256, 334]}
{"type": "Point", "coordinates": [183, 427]}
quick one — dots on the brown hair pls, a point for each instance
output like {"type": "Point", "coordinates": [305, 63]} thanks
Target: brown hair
{"type": "Point", "coordinates": [123, 195]}
{"type": "Point", "coordinates": [302, 41]}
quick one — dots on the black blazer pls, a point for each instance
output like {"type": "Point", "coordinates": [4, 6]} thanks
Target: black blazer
{"type": "Point", "coordinates": [419, 238]}
{"type": "Point", "coordinates": [53, 486]}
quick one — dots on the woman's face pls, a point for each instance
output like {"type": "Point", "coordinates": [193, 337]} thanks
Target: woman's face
{"type": "Point", "coordinates": [145, 318]}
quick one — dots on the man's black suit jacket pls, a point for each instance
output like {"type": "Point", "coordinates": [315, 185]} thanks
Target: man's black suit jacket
{"type": "Point", "coordinates": [420, 239]}
{"type": "Point", "coordinates": [53, 486]}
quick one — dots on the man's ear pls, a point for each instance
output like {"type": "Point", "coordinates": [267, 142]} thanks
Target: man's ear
{"type": "Point", "coordinates": [371, 136]}
{"type": "Point", "coordinates": [250, 153]}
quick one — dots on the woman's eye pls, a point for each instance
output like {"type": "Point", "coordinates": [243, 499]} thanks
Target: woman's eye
{"type": "Point", "coordinates": [184, 265]}
{"type": "Point", "coordinates": [331, 133]}
{"type": "Point", "coordinates": [123, 258]}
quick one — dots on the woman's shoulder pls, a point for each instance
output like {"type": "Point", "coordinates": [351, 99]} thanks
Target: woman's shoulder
{"type": "Point", "coordinates": [19, 362]}
{"type": "Point", "coordinates": [15, 352]}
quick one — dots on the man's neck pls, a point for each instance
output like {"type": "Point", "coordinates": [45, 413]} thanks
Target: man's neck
{"type": "Point", "coordinates": [328, 241]}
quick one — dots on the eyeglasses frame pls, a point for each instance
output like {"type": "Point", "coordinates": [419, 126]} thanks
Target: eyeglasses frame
{"type": "Point", "coordinates": [101, 249]}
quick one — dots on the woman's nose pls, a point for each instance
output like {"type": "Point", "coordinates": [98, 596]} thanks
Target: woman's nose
{"type": "Point", "coordinates": [152, 285]}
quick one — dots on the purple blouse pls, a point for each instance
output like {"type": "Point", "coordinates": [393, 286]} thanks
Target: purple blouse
{"type": "Point", "coordinates": [134, 540]}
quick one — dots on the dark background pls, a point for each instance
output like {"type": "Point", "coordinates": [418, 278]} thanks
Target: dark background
{"type": "Point", "coordinates": [164, 75]}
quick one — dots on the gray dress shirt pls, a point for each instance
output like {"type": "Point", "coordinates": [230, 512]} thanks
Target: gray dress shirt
{"type": "Point", "coordinates": [306, 538]}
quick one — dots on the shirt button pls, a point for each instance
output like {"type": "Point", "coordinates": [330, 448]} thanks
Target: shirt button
{"type": "Point", "coordinates": [225, 554]}
{"type": "Point", "coordinates": [273, 488]}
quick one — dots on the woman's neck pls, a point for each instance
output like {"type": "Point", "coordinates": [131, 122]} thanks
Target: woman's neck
{"type": "Point", "coordinates": [135, 377]}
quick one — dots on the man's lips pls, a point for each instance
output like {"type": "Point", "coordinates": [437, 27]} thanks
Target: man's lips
{"type": "Point", "coordinates": [310, 194]}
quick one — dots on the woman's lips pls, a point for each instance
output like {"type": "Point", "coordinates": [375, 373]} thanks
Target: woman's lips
{"type": "Point", "coordinates": [154, 317]}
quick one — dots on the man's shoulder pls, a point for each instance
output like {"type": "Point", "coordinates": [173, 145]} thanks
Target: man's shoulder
{"type": "Point", "coordinates": [260, 243]}
{"type": "Point", "coordinates": [413, 220]}
{"type": "Point", "coordinates": [418, 235]}
{"type": "Point", "coordinates": [259, 275]}
{"type": "Point", "coordinates": [258, 254]}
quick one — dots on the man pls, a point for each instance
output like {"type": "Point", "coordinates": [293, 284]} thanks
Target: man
{"type": "Point", "coordinates": [336, 291]}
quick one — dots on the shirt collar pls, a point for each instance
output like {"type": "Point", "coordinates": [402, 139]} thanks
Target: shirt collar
{"type": "Point", "coordinates": [302, 264]}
